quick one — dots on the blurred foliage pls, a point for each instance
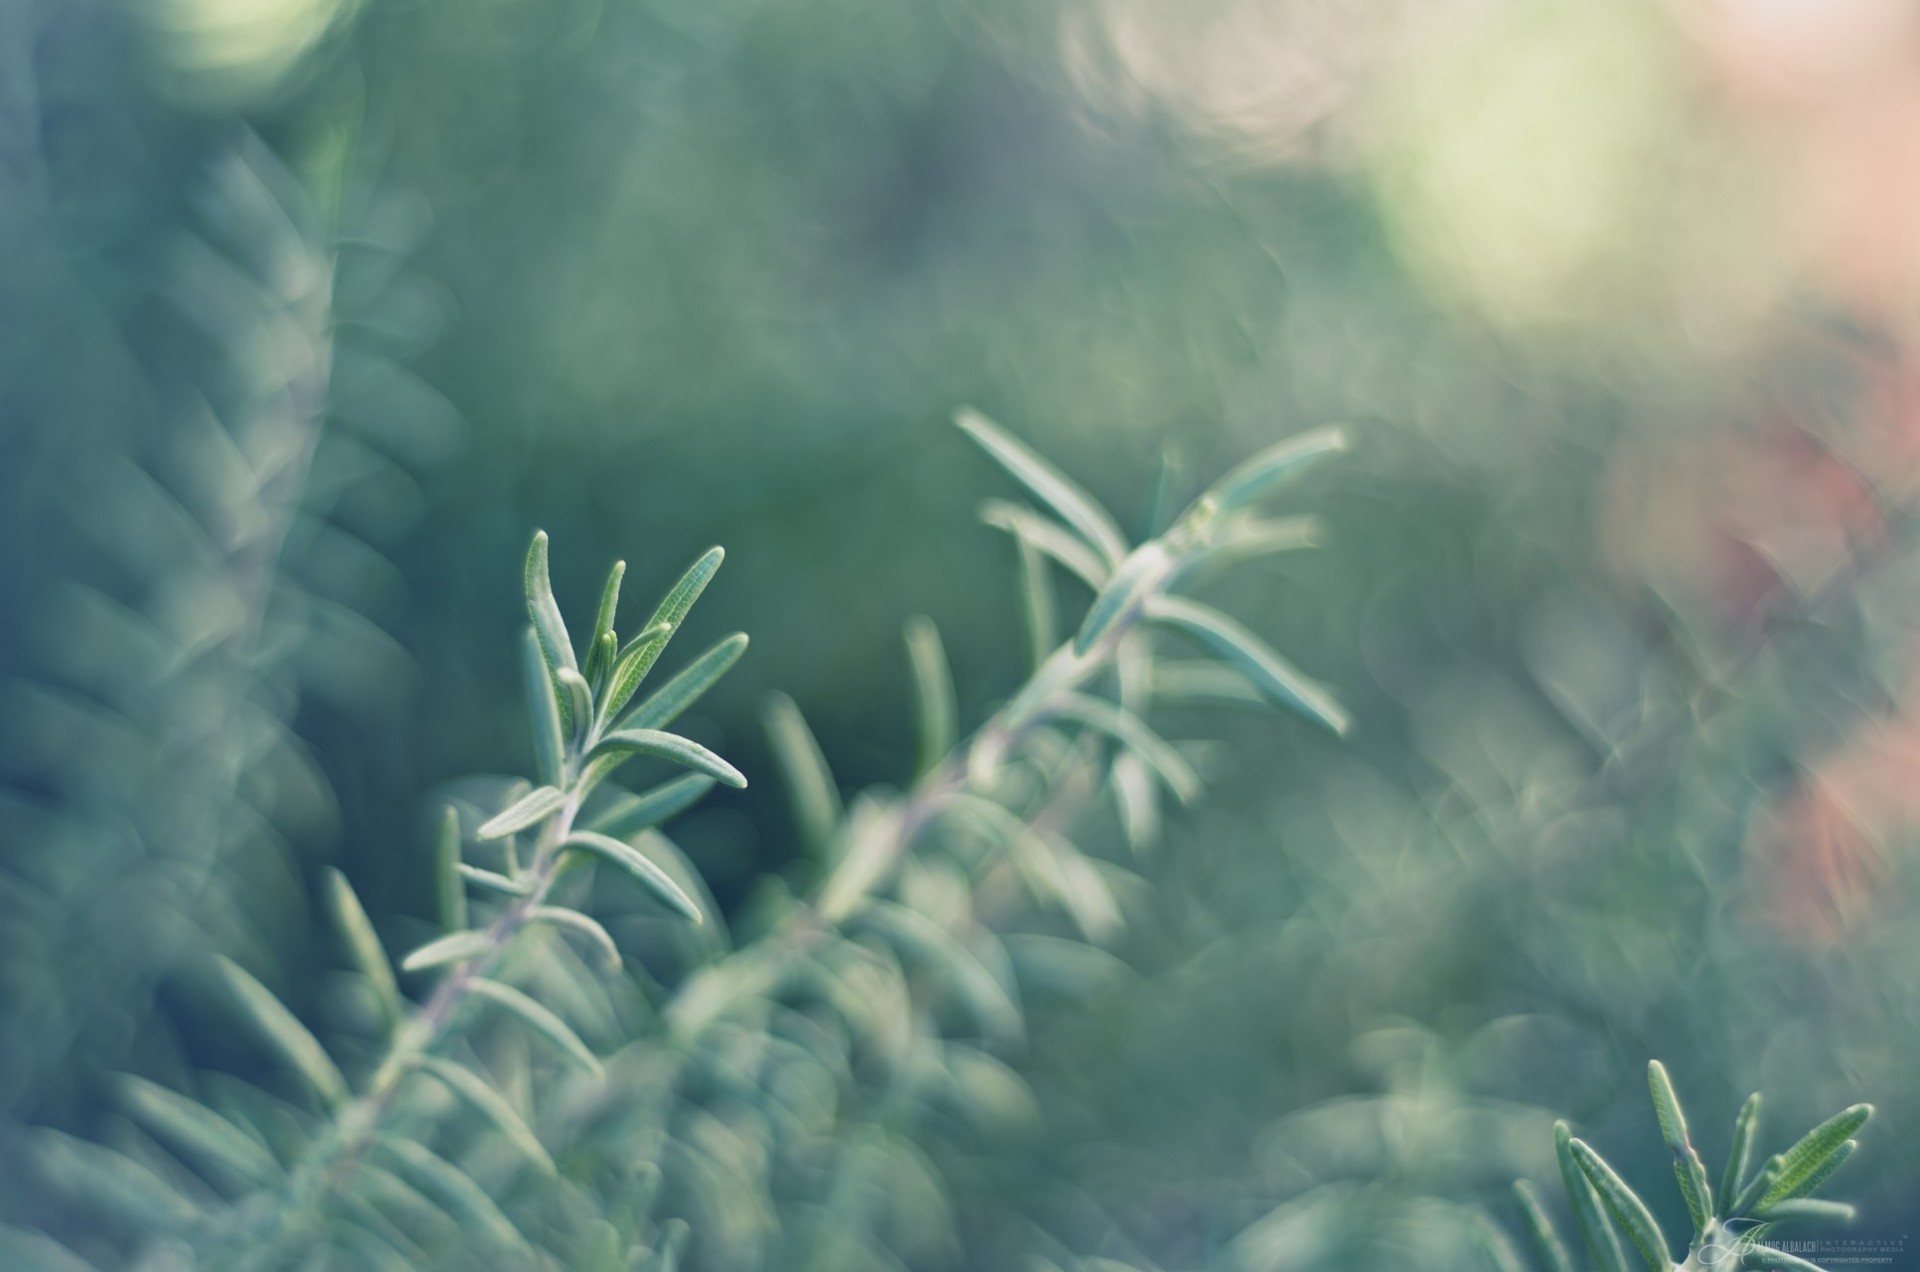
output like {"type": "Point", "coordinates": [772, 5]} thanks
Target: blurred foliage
{"type": "Point", "coordinates": [313, 310]}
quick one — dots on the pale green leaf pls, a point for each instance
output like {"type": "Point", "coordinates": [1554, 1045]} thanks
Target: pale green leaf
{"type": "Point", "coordinates": [456, 1193]}
{"type": "Point", "coordinates": [630, 859]}
{"type": "Point", "coordinates": [1137, 576]}
{"type": "Point", "coordinates": [498, 884]}
{"type": "Point", "coordinates": [447, 869]}
{"type": "Point", "coordinates": [1048, 538]}
{"type": "Point", "coordinates": [539, 1019]}
{"type": "Point", "coordinates": [1590, 1214]}
{"type": "Point", "coordinates": [810, 785]}
{"type": "Point", "coordinates": [1037, 608]}
{"type": "Point", "coordinates": [198, 1133]}
{"type": "Point", "coordinates": [578, 695]}
{"type": "Point", "coordinates": [603, 620]}
{"type": "Point", "coordinates": [543, 705]}
{"type": "Point", "coordinates": [574, 921]}
{"type": "Point", "coordinates": [1131, 732]}
{"type": "Point", "coordinates": [1625, 1206]}
{"type": "Point", "coordinates": [1267, 471]}
{"type": "Point", "coordinates": [454, 947]}
{"type": "Point", "coordinates": [933, 692]}
{"type": "Point", "coordinates": [480, 1095]}
{"type": "Point", "coordinates": [1745, 1128]}
{"type": "Point", "coordinates": [132, 1193]}
{"type": "Point", "coordinates": [1074, 505]}
{"type": "Point", "coordinates": [663, 706]}
{"type": "Point", "coordinates": [363, 944]}
{"type": "Point", "coordinates": [1808, 1182]}
{"type": "Point", "coordinates": [1273, 675]}
{"type": "Point", "coordinates": [631, 814]}
{"type": "Point", "coordinates": [535, 806]}
{"type": "Point", "coordinates": [548, 627]}
{"type": "Point", "coordinates": [630, 667]}
{"type": "Point", "coordinates": [282, 1030]}
{"type": "Point", "coordinates": [1799, 1163]}
{"type": "Point", "coordinates": [1547, 1241]}
{"type": "Point", "coordinates": [666, 746]}
{"type": "Point", "coordinates": [991, 1003]}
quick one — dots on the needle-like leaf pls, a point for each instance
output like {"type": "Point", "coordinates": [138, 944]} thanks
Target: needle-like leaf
{"type": "Point", "coordinates": [1074, 505]}
{"type": "Point", "coordinates": [548, 627]}
{"type": "Point", "coordinates": [480, 1095]}
{"type": "Point", "coordinates": [666, 746]}
{"type": "Point", "coordinates": [282, 1030]}
{"type": "Point", "coordinates": [664, 705]}
{"type": "Point", "coordinates": [1270, 673]}
{"type": "Point", "coordinates": [636, 863]}
{"type": "Point", "coordinates": [356, 931]}
{"type": "Point", "coordinates": [1625, 1206]}
{"type": "Point", "coordinates": [540, 1020]}
{"type": "Point", "coordinates": [933, 691]}
{"type": "Point", "coordinates": [535, 806]}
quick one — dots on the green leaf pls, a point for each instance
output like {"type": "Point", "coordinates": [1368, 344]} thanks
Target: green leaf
{"type": "Point", "coordinates": [548, 627]}
{"type": "Point", "coordinates": [990, 1002]}
{"type": "Point", "coordinates": [1269, 672]}
{"type": "Point", "coordinates": [666, 746]}
{"type": "Point", "coordinates": [1145, 568]}
{"type": "Point", "coordinates": [543, 706]}
{"type": "Point", "coordinates": [480, 1095]}
{"type": "Point", "coordinates": [356, 931]}
{"type": "Point", "coordinates": [678, 601]}
{"type": "Point", "coordinates": [631, 814]}
{"type": "Point", "coordinates": [539, 1019]}
{"type": "Point", "coordinates": [498, 884]}
{"type": "Point", "coordinates": [640, 656]}
{"type": "Point", "coordinates": [1494, 1243]}
{"type": "Point", "coordinates": [1775, 1195]}
{"type": "Point", "coordinates": [810, 786]}
{"type": "Point", "coordinates": [1603, 1244]}
{"type": "Point", "coordinates": [1625, 1206]}
{"type": "Point", "coordinates": [1666, 1106]}
{"type": "Point", "coordinates": [455, 947]}
{"type": "Point", "coordinates": [535, 806]}
{"type": "Point", "coordinates": [1137, 800]}
{"type": "Point", "coordinates": [631, 667]}
{"type": "Point", "coordinates": [36, 1252]}
{"type": "Point", "coordinates": [574, 921]}
{"type": "Point", "coordinates": [199, 1133]}
{"type": "Point", "coordinates": [1131, 732]}
{"type": "Point", "coordinates": [1809, 1209]}
{"type": "Point", "coordinates": [1688, 1170]}
{"type": "Point", "coordinates": [1073, 504]}
{"type": "Point", "coordinates": [456, 1192]}
{"type": "Point", "coordinates": [662, 707]}
{"type": "Point", "coordinates": [1552, 1252]}
{"type": "Point", "coordinates": [933, 692]}
{"type": "Point", "coordinates": [630, 859]}
{"type": "Point", "coordinates": [1037, 609]}
{"type": "Point", "coordinates": [1745, 1127]}
{"type": "Point", "coordinates": [447, 869]}
{"type": "Point", "coordinates": [282, 1030]}
{"type": "Point", "coordinates": [577, 694]}
{"type": "Point", "coordinates": [872, 851]}
{"type": "Point", "coordinates": [1266, 472]}
{"type": "Point", "coordinates": [603, 637]}
{"type": "Point", "coordinates": [1048, 538]}
{"type": "Point", "coordinates": [1799, 1163]}
{"type": "Point", "coordinates": [131, 1192]}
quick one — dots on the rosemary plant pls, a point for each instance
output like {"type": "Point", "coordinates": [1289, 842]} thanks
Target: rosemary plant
{"type": "Point", "coordinates": [773, 1102]}
{"type": "Point", "coordinates": [1731, 1219]}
